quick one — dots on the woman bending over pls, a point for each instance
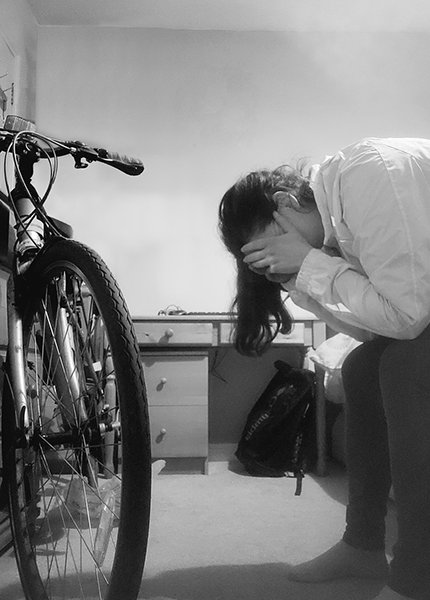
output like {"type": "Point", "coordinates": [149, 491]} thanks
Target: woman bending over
{"type": "Point", "coordinates": [351, 243]}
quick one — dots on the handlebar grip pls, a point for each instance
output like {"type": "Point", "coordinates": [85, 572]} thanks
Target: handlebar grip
{"type": "Point", "coordinates": [126, 164]}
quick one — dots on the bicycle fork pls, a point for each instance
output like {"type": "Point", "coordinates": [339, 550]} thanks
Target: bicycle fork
{"type": "Point", "coordinates": [16, 364]}
{"type": "Point", "coordinates": [57, 369]}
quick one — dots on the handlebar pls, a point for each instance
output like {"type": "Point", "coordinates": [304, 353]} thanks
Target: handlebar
{"type": "Point", "coordinates": [126, 164]}
{"type": "Point", "coordinates": [82, 154]}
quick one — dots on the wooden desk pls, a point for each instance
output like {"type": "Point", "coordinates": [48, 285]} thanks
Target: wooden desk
{"type": "Point", "coordinates": [200, 390]}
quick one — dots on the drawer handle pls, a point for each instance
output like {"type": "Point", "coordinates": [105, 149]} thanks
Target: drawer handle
{"type": "Point", "coordinates": [160, 436]}
{"type": "Point", "coordinates": [168, 333]}
{"type": "Point", "coordinates": [161, 384]}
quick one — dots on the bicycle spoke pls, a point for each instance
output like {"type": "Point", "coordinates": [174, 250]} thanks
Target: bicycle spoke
{"type": "Point", "coordinates": [69, 486]}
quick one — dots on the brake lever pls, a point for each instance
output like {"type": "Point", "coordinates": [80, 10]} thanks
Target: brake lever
{"type": "Point", "coordinates": [83, 156]}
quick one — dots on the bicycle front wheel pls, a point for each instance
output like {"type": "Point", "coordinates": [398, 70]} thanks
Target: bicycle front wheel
{"type": "Point", "coordinates": [79, 491]}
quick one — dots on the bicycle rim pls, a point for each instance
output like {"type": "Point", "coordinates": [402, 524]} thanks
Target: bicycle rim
{"type": "Point", "coordinates": [80, 492]}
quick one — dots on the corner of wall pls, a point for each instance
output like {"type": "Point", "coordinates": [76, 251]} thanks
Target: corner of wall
{"type": "Point", "coordinates": [19, 31]}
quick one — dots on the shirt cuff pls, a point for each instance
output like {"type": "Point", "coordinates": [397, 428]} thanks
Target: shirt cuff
{"type": "Point", "coordinates": [317, 263]}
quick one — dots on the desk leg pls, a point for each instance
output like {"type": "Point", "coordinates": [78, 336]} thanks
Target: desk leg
{"type": "Point", "coordinates": [320, 421]}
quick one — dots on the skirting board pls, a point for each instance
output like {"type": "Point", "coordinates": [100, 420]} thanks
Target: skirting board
{"type": "Point", "coordinates": [222, 452]}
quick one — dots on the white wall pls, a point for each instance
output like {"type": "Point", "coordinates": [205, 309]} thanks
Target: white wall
{"type": "Point", "coordinates": [18, 54]}
{"type": "Point", "coordinates": [200, 109]}
{"type": "Point", "coordinates": [18, 29]}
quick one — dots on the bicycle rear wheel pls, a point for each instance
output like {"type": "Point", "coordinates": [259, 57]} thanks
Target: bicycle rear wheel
{"type": "Point", "coordinates": [79, 493]}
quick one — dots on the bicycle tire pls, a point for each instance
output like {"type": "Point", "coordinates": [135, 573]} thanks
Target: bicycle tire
{"type": "Point", "coordinates": [49, 535]}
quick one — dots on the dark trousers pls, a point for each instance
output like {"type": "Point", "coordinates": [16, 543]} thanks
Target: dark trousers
{"type": "Point", "coordinates": [387, 388]}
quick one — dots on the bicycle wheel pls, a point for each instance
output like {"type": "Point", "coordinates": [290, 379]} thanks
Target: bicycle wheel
{"type": "Point", "coordinates": [79, 493]}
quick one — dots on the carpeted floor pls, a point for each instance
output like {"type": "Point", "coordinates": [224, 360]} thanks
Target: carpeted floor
{"type": "Point", "coordinates": [229, 536]}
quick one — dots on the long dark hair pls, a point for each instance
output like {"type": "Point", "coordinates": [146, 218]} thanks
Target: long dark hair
{"type": "Point", "coordinates": [245, 209]}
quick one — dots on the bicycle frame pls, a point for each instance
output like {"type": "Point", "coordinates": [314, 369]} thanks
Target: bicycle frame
{"type": "Point", "coordinates": [77, 478]}
{"type": "Point", "coordinates": [57, 334]}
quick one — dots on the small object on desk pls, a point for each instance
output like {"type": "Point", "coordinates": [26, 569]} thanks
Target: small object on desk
{"type": "Point", "coordinates": [172, 309]}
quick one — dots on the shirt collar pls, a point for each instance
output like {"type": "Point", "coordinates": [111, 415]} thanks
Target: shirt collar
{"type": "Point", "coordinates": [319, 187]}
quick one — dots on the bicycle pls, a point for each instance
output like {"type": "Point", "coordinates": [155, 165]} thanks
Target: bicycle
{"type": "Point", "coordinates": [75, 429]}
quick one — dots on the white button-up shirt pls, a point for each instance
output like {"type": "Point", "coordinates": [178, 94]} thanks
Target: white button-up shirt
{"type": "Point", "coordinates": [374, 200]}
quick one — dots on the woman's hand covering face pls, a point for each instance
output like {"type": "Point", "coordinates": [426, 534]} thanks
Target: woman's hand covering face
{"type": "Point", "coordinates": [280, 256]}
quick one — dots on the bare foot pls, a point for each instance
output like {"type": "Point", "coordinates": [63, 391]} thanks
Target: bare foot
{"type": "Point", "coordinates": [389, 594]}
{"type": "Point", "coordinates": [342, 562]}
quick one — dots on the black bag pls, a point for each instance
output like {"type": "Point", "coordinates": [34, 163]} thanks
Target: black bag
{"type": "Point", "coordinates": [279, 437]}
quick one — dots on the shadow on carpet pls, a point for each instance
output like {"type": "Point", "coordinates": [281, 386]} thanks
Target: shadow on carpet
{"type": "Point", "coordinates": [250, 582]}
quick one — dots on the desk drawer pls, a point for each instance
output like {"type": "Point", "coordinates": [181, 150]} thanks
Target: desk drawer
{"type": "Point", "coordinates": [179, 431]}
{"type": "Point", "coordinates": [296, 337]}
{"type": "Point", "coordinates": [171, 333]}
{"type": "Point", "coordinates": [176, 380]}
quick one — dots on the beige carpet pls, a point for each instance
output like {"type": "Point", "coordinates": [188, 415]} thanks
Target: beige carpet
{"type": "Point", "coordinates": [228, 536]}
